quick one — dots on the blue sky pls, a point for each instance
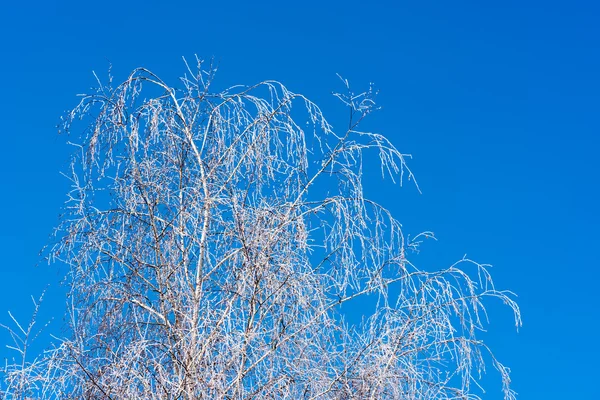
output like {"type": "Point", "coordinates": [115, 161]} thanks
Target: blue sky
{"type": "Point", "coordinates": [497, 102]}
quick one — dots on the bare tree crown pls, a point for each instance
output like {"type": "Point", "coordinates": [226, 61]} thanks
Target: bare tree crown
{"type": "Point", "coordinates": [212, 240]}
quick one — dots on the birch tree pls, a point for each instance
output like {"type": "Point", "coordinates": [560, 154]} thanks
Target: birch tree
{"type": "Point", "coordinates": [213, 239]}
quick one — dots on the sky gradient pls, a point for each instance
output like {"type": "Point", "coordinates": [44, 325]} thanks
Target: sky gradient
{"type": "Point", "coordinates": [497, 103]}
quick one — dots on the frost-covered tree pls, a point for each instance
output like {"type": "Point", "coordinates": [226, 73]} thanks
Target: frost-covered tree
{"type": "Point", "coordinates": [212, 240]}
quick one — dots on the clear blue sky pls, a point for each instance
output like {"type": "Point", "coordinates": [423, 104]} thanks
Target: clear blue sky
{"type": "Point", "coordinates": [497, 101]}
